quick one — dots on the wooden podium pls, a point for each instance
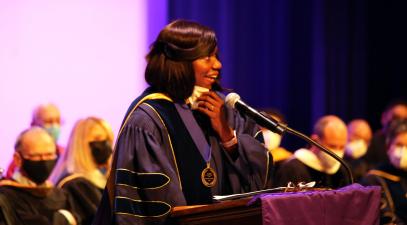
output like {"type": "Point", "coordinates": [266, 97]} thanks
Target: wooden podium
{"type": "Point", "coordinates": [302, 207]}
{"type": "Point", "coordinates": [236, 212]}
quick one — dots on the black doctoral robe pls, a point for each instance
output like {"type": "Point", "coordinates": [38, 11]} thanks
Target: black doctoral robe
{"type": "Point", "coordinates": [34, 206]}
{"type": "Point", "coordinates": [84, 193]}
{"type": "Point", "coordinates": [295, 171]}
{"type": "Point", "coordinates": [393, 182]}
{"type": "Point", "coordinates": [157, 163]}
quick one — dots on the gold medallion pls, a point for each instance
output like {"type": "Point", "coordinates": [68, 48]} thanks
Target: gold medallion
{"type": "Point", "coordinates": [209, 177]}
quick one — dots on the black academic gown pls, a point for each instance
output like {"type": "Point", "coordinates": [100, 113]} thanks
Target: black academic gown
{"type": "Point", "coordinates": [34, 206]}
{"type": "Point", "coordinates": [393, 182]}
{"type": "Point", "coordinates": [296, 171]}
{"type": "Point", "coordinates": [85, 194]}
{"type": "Point", "coordinates": [376, 154]}
{"type": "Point", "coordinates": [359, 167]}
{"type": "Point", "coordinates": [157, 165]}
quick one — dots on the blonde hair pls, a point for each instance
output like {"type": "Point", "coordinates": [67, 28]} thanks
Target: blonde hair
{"type": "Point", "coordinates": [77, 158]}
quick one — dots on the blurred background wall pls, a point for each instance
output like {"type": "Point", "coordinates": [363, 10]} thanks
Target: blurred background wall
{"type": "Point", "coordinates": [87, 57]}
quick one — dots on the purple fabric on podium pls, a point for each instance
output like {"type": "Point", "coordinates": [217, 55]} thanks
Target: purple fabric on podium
{"type": "Point", "coordinates": [351, 205]}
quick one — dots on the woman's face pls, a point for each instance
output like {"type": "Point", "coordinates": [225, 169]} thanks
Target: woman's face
{"type": "Point", "coordinates": [206, 70]}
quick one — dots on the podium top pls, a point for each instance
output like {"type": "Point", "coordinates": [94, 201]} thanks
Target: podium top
{"type": "Point", "coordinates": [305, 207]}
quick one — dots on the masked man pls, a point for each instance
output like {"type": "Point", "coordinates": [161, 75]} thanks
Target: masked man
{"type": "Point", "coordinates": [359, 136]}
{"type": "Point", "coordinates": [48, 117]}
{"type": "Point", "coordinates": [29, 198]}
{"type": "Point", "coordinates": [315, 165]}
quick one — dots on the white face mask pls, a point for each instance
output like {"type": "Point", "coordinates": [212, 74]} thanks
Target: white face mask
{"type": "Point", "coordinates": [356, 148]}
{"type": "Point", "coordinates": [398, 157]}
{"type": "Point", "coordinates": [328, 162]}
{"type": "Point", "coordinates": [271, 139]}
{"type": "Point", "coordinates": [195, 94]}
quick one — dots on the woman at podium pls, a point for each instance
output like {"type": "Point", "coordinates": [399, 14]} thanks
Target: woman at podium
{"type": "Point", "coordinates": [179, 144]}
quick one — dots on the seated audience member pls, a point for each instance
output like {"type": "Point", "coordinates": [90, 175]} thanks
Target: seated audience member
{"type": "Point", "coordinates": [392, 177]}
{"type": "Point", "coordinates": [376, 153]}
{"type": "Point", "coordinates": [82, 169]}
{"type": "Point", "coordinates": [359, 136]}
{"type": "Point", "coordinates": [48, 117]}
{"type": "Point", "coordinates": [29, 198]}
{"type": "Point", "coordinates": [313, 164]}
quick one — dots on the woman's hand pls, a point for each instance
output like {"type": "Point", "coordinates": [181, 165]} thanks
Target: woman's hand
{"type": "Point", "coordinates": [213, 106]}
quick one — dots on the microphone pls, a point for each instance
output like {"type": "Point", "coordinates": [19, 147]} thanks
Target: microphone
{"type": "Point", "coordinates": [233, 101]}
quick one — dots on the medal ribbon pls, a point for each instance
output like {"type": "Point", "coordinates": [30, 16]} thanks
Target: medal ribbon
{"type": "Point", "coordinates": [195, 130]}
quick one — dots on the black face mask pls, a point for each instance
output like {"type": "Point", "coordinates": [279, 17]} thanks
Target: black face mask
{"type": "Point", "coordinates": [101, 151]}
{"type": "Point", "coordinates": [38, 171]}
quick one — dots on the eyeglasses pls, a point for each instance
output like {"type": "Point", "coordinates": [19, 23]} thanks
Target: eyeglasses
{"type": "Point", "coordinates": [38, 157]}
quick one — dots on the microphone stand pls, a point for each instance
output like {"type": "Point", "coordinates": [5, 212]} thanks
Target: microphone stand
{"type": "Point", "coordinates": [326, 150]}
{"type": "Point", "coordinates": [264, 120]}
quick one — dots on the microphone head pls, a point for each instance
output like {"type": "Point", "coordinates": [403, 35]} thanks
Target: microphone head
{"type": "Point", "coordinates": [231, 99]}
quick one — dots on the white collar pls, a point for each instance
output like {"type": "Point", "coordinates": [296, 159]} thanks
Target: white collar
{"type": "Point", "coordinates": [198, 90]}
{"type": "Point", "coordinates": [21, 179]}
{"type": "Point", "coordinates": [310, 159]}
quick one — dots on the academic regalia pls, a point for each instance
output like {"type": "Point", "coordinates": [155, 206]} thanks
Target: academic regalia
{"type": "Point", "coordinates": [159, 159]}
{"type": "Point", "coordinates": [85, 194]}
{"type": "Point", "coordinates": [296, 170]}
{"type": "Point", "coordinates": [359, 167]}
{"type": "Point", "coordinates": [376, 154]}
{"type": "Point", "coordinates": [394, 192]}
{"type": "Point", "coordinates": [33, 205]}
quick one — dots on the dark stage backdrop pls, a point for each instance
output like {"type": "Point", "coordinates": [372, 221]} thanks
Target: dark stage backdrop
{"type": "Point", "coordinates": [307, 58]}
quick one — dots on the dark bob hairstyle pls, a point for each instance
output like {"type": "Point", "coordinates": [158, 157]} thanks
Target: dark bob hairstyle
{"type": "Point", "coordinates": [169, 62]}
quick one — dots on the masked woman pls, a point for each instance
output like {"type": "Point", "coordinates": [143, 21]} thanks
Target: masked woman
{"type": "Point", "coordinates": [179, 144]}
{"type": "Point", "coordinates": [82, 169]}
{"type": "Point", "coordinates": [392, 177]}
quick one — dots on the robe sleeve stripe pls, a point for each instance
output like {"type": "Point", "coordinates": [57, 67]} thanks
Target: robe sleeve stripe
{"type": "Point", "coordinates": [110, 182]}
{"type": "Point", "coordinates": [139, 208]}
{"type": "Point", "coordinates": [136, 180]}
